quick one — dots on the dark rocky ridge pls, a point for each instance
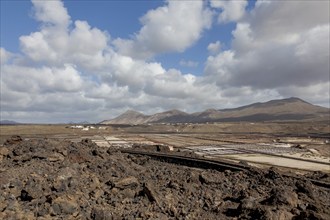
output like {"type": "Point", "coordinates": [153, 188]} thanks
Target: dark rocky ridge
{"type": "Point", "coordinates": [52, 179]}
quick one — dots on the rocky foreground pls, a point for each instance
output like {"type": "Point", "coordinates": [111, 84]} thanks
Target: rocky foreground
{"type": "Point", "coordinates": [52, 179]}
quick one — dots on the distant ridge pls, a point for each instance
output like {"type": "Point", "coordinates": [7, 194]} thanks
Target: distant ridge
{"type": "Point", "coordinates": [8, 122]}
{"type": "Point", "coordinates": [129, 117]}
{"type": "Point", "coordinates": [275, 110]}
{"type": "Point", "coordinates": [271, 103]}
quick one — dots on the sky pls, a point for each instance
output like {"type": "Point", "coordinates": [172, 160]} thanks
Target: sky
{"type": "Point", "coordinates": [64, 61]}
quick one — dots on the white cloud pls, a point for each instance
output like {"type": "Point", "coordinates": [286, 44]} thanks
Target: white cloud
{"type": "Point", "coordinates": [231, 10]}
{"type": "Point", "coordinates": [36, 47]}
{"type": "Point", "coordinates": [51, 13]}
{"type": "Point", "coordinates": [135, 74]}
{"type": "Point", "coordinates": [278, 54]}
{"type": "Point", "coordinates": [314, 44]}
{"type": "Point", "coordinates": [283, 20]}
{"type": "Point", "coordinates": [86, 40]}
{"type": "Point", "coordinates": [69, 70]}
{"type": "Point", "coordinates": [41, 80]}
{"type": "Point", "coordinates": [244, 39]}
{"type": "Point", "coordinates": [217, 68]}
{"type": "Point", "coordinates": [82, 45]}
{"type": "Point", "coordinates": [214, 48]}
{"type": "Point", "coordinates": [171, 28]}
{"type": "Point", "coordinates": [4, 55]}
{"type": "Point", "coordinates": [60, 64]}
{"type": "Point", "coordinates": [318, 93]}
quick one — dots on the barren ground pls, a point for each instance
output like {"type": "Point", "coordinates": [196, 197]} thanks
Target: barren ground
{"type": "Point", "coordinates": [66, 176]}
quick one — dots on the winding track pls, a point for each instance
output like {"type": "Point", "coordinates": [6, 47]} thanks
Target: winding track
{"type": "Point", "coordinates": [240, 149]}
{"type": "Point", "coordinates": [198, 162]}
{"type": "Point", "coordinates": [220, 165]}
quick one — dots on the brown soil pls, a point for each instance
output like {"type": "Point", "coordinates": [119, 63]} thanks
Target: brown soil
{"type": "Point", "coordinates": [63, 180]}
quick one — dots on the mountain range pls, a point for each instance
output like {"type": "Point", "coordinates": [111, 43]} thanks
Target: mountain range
{"type": "Point", "coordinates": [8, 122]}
{"type": "Point", "coordinates": [275, 110]}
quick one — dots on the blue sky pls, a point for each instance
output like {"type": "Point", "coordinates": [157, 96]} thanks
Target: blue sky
{"type": "Point", "coordinates": [75, 58]}
{"type": "Point", "coordinates": [108, 16]}
{"type": "Point", "coordinates": [17, 17]}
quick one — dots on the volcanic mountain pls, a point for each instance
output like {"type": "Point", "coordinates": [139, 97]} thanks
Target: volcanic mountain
{"type": "Point", "coordinates": [128, 117]}
{"type": "Point", "coordinates": [274, 110]}
{"type": "Point", "coordinates": [8, 122]}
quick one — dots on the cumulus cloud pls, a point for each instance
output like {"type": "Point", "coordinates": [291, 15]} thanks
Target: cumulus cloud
{"type": "Point", "coordinates": [57, 42]}
{"type": "Point", "coordinates": [317, 93]}
{"type": "Point", "coordinates": [230, 10]}
{"type": "Point", "coordinates": [283, 21]}
{"type": "Point", "coordinates": [4, 55]}
{"type": "Point", "coordinates": [171, 28]}
{"type": "Point", "coordinates": [68, 70]}
{"type": "Point", "coordinates": [41, 80]}
{"type": "Point", "coordinates": [214, 48]}
{"type": "Point", "coordinates": [82, 45]}
{"type": "Point", "coordinates": [268, 52]}
{"type": "Point", "coordinates": [61, 62]}
{"type": "Point", "coordinates": [51, 13]}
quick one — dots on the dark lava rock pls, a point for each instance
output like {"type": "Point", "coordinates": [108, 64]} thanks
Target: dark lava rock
{"type": "Point", "coordinates": [273, 173]}
{"type": "Point", "coordinates": [25, 196]}
{"type": "Point", "coordinates": [100, 213]}
{"type": "Point", "coordinates": [150, 192]}
{"type": "Point", "coordinates": [64, 205]}
{"type": "Point", "coordinates": [282, 196]}
{"type": "Point", "coordinates": [128, 182]}
{"type": "Point", "coordinates": [58, 179]}
{"type": "Point", "coordinates": [15, 139]}
{"type": "Point", "coordinates": [210, 178]}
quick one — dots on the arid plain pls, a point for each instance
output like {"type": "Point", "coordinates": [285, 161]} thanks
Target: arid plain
{"type": "Point", "coordinates": [299, 145]}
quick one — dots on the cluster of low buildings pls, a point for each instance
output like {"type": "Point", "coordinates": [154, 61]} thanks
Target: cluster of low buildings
{"type": "Point", "coordinates": [87, 127]}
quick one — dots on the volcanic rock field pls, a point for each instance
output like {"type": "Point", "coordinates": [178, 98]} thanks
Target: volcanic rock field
{"type": "Point", "coordinates": [59, 179]}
